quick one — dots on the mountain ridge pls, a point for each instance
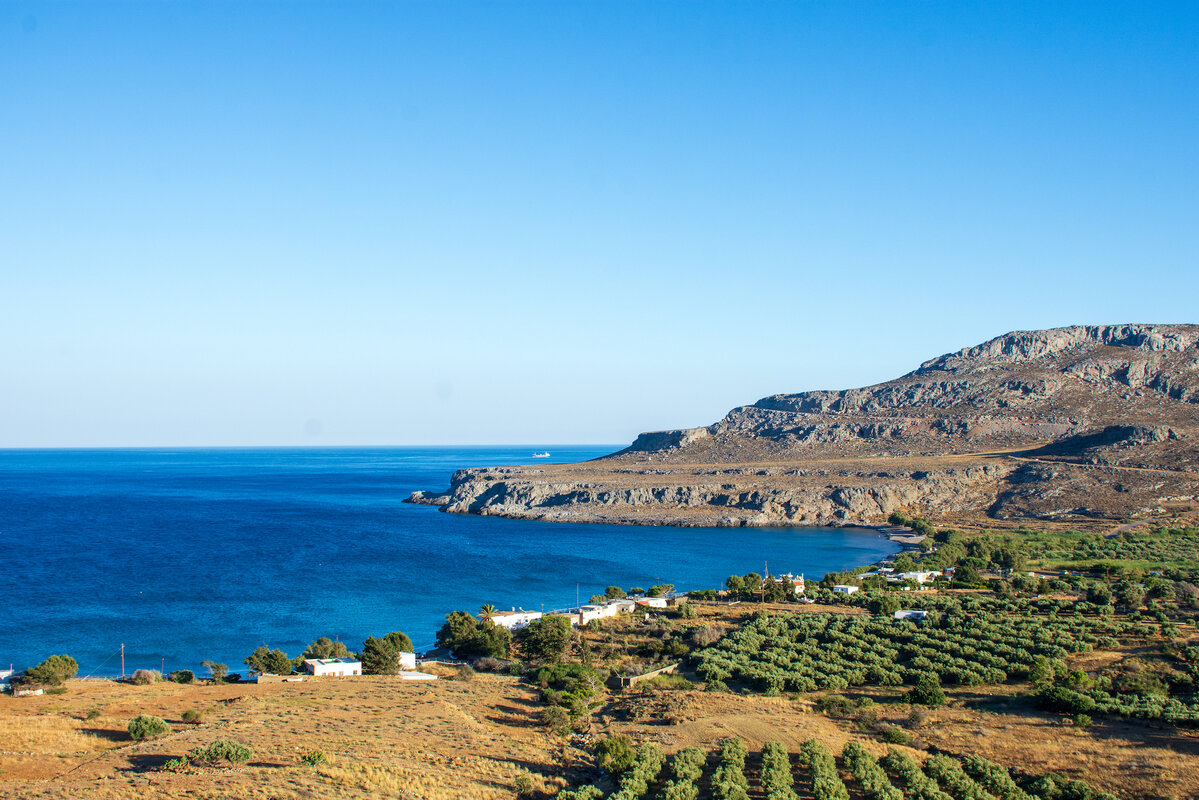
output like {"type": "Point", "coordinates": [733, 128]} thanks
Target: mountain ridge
{"type": "Point", "coordinates": [1086, 421]}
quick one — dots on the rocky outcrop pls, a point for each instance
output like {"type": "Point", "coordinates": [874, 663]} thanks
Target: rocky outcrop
{"type": "Point", "coordinates": [1082, 421]}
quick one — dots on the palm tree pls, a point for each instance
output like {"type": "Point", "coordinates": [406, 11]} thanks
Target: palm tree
{"type": "Point", "coordinates": [487, 611]}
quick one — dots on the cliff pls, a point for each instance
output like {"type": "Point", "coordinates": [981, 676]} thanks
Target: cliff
{"type": "Point", "coordinates": [1085, 421]}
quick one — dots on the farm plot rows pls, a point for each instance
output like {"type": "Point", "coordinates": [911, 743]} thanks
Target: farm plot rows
{"type": "Point", "coordinates": [808, 652]}
{"type": "Point", "coordinates": [815, 773]}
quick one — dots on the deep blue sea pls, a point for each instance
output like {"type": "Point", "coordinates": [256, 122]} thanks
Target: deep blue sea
{"type": "Point", "coordinates": [188, 554]}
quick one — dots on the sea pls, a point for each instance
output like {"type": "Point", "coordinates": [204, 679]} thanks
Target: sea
{"type": "Point", "coordinates": [182, 555]}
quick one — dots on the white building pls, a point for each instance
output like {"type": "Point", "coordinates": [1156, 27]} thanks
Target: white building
{"type": "Point", "coordinates": [514, 620]}
{"type": "Point", "coordinates": [918, 577]}
{"type": "Point", "coordinates": [6, 676]}
{"type": "Point", "coordinates": [910, 614]}
{"type": "Point", "coordinates": [652, 602]}
{"type": "Point", "coordinates": [624, 605]}
{"type": "Point", "coordinates": [338, 667]}
{"type": "Point", "coordinates": [843, 588]}
{"type": "Point", "coordinates": [590, 612]}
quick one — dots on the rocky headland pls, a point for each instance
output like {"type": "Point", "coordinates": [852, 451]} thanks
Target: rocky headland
{"type": "Point", "coordinates": [1085, 422]}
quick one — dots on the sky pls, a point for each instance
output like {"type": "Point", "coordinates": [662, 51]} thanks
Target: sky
{"type": "Point", "coordinates": [390, 223]}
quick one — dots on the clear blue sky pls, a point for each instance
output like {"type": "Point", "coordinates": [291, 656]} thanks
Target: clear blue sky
{"type": "Point", "coordinates": [410, 223]}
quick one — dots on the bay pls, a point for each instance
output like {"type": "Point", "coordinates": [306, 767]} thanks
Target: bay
{"type": "Point", "coordinates": [189, 554]}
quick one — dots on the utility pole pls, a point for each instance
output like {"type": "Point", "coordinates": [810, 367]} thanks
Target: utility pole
{"type": "Point", "coordinates": [122, 659]}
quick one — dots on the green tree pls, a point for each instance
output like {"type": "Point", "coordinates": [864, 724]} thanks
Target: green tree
{"type": "Point", "coordinates": [904, 563]}
{"type": "Point", "coordinates": [379, 657]}
{"type": "Point", "coordinates": [1009, 559]}
{"type": "Point", "coordinates": [966, 574]}
{"type": "Point", "coordinates": [215, 670]}
{"type": "Point", "coordinates": [661, 590]}
{"type": "Point", "coordinates": [400, 641]}
{"type": "Point", "coordinates": [735, 584]}
{"type": "Point", "coordinates": [468, 637]}
{"type": "Point", "coordinates": [884, 605]}
{"type": "Point", "coordinates": [325, 647]}
{"type": "Point", "coordinates": [269, 662]}
{"type": "Point", "coordinates": [488, 611]}
{"type": "Point", "coordinates": [598, 599]}
{"type": "Point", "coordinates": [614, 593]}
{"type": "Point", "coordinates": [1132, 596]}
{"type": "Point", "coordinates": [52, 672]}
{"type": "Point", "coordinates": [545, 639]}
{"type": "Point", "coordinates": [1099, 593]}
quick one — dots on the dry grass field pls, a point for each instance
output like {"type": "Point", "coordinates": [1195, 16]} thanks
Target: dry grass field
{"type": "Point", "coordinates": [385, 737]}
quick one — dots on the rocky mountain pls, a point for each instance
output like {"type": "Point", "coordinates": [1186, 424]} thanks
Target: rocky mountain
{"type": "Point", "coordinates": [1092, 421]}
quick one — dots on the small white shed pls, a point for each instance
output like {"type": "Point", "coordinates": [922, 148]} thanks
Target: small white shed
{"type": "Point", "coordinates": [844, 588]}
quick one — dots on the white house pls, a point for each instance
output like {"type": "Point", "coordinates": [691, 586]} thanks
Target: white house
{"type": "Point", "coordinates": [339, 667]}
{"type": "Point", "coordinates": [652, 602]}
{"type": "Point", "coordinates": [918, 577]}
{"type": "Point", "coordinates": [624, 605]}
{"type": "Point", "coordinates": [514, 620]}
{"type": "Point", "coordinates": [407, 660]}
{"type": "Point", "coordinates": [910, 614]}
{"type": "Point", "coordinates": [6, 676]}
{"type": "Point", "coordinates": [842, 588]}
{"type": "Point", "coordinates": [590, 612]}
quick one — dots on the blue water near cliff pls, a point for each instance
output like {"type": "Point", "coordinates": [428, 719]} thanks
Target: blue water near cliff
{"type": "Point", "coordinates": [189, 554]}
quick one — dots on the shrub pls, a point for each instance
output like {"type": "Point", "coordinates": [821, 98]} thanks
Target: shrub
{"type": "Point", "coordinates": [314, 758]}
{"type": "Point", "coordinates": [216, 670]}
{"type": "Point", "coordinates": [1081, 721]}
{"type": "Point", "coordinates": [141, 677]}
{"type": "Point", "coordinates": [555, 719]}
{"type": "Point", "coordinates": [192, 716]}
{"type": "Point", "coordinates": [92, 713]}
{"type": "Point", "coordinates": [265, 661]}
{"type": "Point", "coordinates": [927, 691]}
{"type": "Point", "coordinates": [490, 664]}
{"type": "Point", "coordinates": [704, 636]}
{"type": "Point", "coordinates": [465, 673]}
{"type": "Point", "coordinates": [894, 735]}
{"type": "Point", "coordinates": [523, 786]}
{"type": "Point", "coordinates": [220, 751]}
{"type": "Point", "coordinates": [687, 611]}
{"type": "Point", "coordinates": [146, 726]}
{"type": "Point", "coordinates": [183, 676]}
{"type": "Point", "coordinates": [614, 753]}
{"type": "Point", "coordinates": [174, 764]}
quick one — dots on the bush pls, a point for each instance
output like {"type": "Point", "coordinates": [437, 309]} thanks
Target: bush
{"type": "Point", "coordinates": [523, 786]}
{"type": "Point", "coordinates": [183, 676]}
{"type": "Point", "coordinates": [268, 662]}
{"type": "Point", "coordinates": [92, 713]}
{"type": "Point", "coordinates": [192, 716]}
{"type": "Point", "coordinates": [314, 758]}
{"type": "Point", "coordinates": [927, 691]}
{"type": "Point", "coordinates": [894, 735]}
{"type": "Point", "coordinates": [1081, 721]}
{"type": "Point", "coordinates": [555, 719]}
{"type": "Point", "coordinates": [687, 611]}
{"type": "Point", "coordinates": [174, 764]}
{"type": "Point", "coordinates": [614, 753]}
{"type": "Point", "coordinates": [141, 677]}
{"type": "Point", "coordinates": [147, 726]}
{"type": "Point", "coordinates": [221, 751]}
{"type": "Point", "coordinates": [465, 673]}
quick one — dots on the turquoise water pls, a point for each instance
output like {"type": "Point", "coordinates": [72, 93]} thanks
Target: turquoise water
{"type": "Point", "coordinates": [189, 554]}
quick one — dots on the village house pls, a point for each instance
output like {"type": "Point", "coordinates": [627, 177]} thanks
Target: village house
{"type": "Point", "coordinates": [6, 676]}
{"type": "Point", "coordinates": [918, 577]}
{"type": "Point", "coordinates": [916, 616]}
{"type": "Point", "coordinates": [338, 667]}
{"type": "Point", "coordinates": [652, 602]}
{"type": "Point", "coordinates": [514, 620]}
{"type": "Point", "coordinates": [843, 588]}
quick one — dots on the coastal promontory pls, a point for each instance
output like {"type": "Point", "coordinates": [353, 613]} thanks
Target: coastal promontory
{"type": "Point", "coordinates": [1096, 422]}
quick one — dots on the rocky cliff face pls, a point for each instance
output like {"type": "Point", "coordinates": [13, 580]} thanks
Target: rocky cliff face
{"type": "Point", "coordinates": [1086, 420]}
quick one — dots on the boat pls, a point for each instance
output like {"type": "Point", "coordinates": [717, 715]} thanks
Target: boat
{"type": "Point", "coordinates": [545, 454]}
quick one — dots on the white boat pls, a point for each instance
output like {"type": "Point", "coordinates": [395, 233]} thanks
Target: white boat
{"type": "Point", "coordinates": [546, 454]}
